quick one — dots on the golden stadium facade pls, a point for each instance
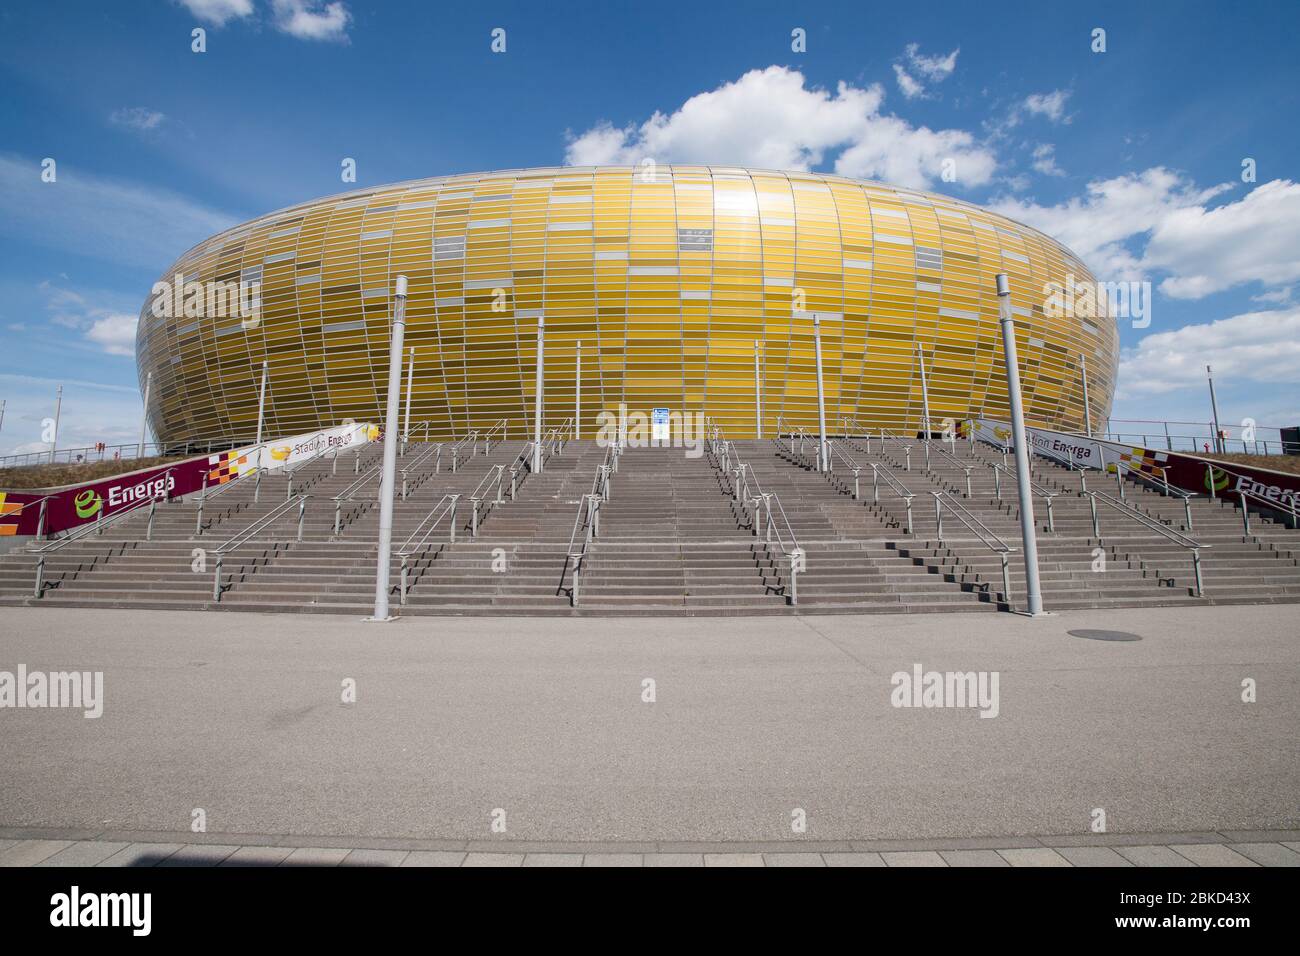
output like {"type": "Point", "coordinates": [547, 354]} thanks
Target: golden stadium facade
{"type": "Point", "coordinates": [666, 276]}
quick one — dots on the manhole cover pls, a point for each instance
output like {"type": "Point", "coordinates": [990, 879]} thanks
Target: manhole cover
{"type": "Point", "coordinates": [1104, 635]}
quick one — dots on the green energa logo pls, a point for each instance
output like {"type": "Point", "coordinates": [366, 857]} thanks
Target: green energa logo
{"type": "Point", "coordinates": [1218, 476]}
{"type": "Point", "coordinates": [87, 504]}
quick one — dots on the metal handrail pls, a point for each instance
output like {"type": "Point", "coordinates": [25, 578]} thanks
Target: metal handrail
{"type": "Point", "coordinates": [40, 518]}
{"type": "Point", "coordinates": [446, 506]}
{"type": "Point", "coordinates": [96, 527]}
{"type": "Point", "coordinates": [261, 523]}
{"type": "Point", "coordinates": [898, 487]}
{"type": "Point", "coordinates": [965, 466]}
{"type": "Point", "coordinates": [1144, 519]}
{"type": "Point", "coordinates": [983, 532]}
{"type": "Point", "coordinates": [487, 436]}
{"type": "Point", "coordinates": [792, 551]}
{"type": "Point", "coordinates": [591, 525]}
{"type": "Point", "coordinates": [1034, 488]}
{"type": "Point", "coordinates": [907, 448]}
{"type": "Point", "coordinates": [351, 491]}
{"type": "Point", "coordinates": [1266, 502]}
{"type": "Point", "coordinates": [833, 448]}
{"type": "Point", "coordinates": [256, 474]}
{"type": "Point", "coordinates": [419, 459]}
{"type": "Point", "coordinates": [493, 476]}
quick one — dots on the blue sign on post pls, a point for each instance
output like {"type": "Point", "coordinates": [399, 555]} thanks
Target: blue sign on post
{"type": "Point", "coordinates": [659, 425]}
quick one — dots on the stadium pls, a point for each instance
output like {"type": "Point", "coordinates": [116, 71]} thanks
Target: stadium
{"type": "Point", "coordinates": [661, 288]}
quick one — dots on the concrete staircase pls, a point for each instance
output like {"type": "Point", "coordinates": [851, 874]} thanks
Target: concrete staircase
{"type": "Point", "coordinates": [675, 538]}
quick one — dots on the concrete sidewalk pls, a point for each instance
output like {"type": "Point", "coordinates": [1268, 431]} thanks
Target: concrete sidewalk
{"type": "Point", "coordinates": [1233, 849]}
{"type": "Point", "coordinates": [544, 725]}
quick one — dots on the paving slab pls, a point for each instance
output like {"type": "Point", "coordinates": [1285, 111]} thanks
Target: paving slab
{"type": "Point", "coordinates": [316, 856]}
{"type": "Point", "coordinates": [914, 858]}
{"type": "Point", "coordinates": [494, 859]}
{"type": "Point", "coordinates": [1091, 856]}
{"type": "Point", "coordinates": [374, 857]}
{"type": "Point", "coordinates": [1152, 856]}
{"type": "Point", "coordinates": [972, 858]}
{"type": "Point", "coordinates": [793, 859]}
{"type": "Point", "coordinates": [31, 852]}
{"type": "Point", "coordinates": [433, 858]}
{"type": "Point", "coordinates": [611, 859]}
{"type": "Point", "coordinates": [257, 856]}
{"type": "Point", "coordinates": [193, 854]}
{"type": "Point", "coordinates": [1268, 854]}
{"type": "Point", "coordinates": [672, 859]}
{"type": "Point", "coordinates": [733, 859]}
{"type": "Point", "coordinates": [853, 859]}
{"type": "Point", "coordinates": [1043, 856]}
{"type": "Point", "coordinates": [84, 853]}
{"type": "Point", "coordinates": [142, 854]}
{"type": "Point", "coordinates": [553, 859]}
{"type": "Point", "coordinates": [1213, 854]}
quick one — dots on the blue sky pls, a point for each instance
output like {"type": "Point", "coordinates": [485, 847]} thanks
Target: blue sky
{"type": "Point", "coordinates": [1132, 157]}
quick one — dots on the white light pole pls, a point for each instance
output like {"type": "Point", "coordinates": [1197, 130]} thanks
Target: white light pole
{"type": "Point", "coordinates": [823, 462]}
{"type": "Point", "coordinates": [410, 384]}
{"type": "Point", "coordinates": [389, 467]}
{"type": "Point", "coordinates": [1087, 412]}
{"type": "Point", "coordinates": [2, 412]}
{"type": "Point", "coordinates": [261, 402]}
{"type": "Point", "coordinates": [577, 396]}
{"type": "Point", "coordinates": [144, 416]}
{"type": "Point", "coordinates": [1028, 533]}
{"type": "Point", "coordinates": [925, 392]}
{"type": "Point", "coordinates": [58, 411]}
{"type": "Point", "coordinates": [1214, 410]}
{"type": "Point", "coordinates": [537, 414]}
{"type": "Point", "coordinates": [758, 395]}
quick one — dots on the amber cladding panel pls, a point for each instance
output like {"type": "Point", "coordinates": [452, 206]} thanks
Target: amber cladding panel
{"type": "Point", "coordinates": [666, 277]}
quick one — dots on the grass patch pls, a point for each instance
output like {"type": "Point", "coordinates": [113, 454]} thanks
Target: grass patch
{"type": "Point", "coordinates": [57, 475]}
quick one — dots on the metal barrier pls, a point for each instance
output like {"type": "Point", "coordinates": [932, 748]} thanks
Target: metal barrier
{"type": "Point", "coordinates": [40, 517]}
{"type": "Point", "coordinates": [986, 535]}
{"type": "Point", "coordinates": [350, 492]}
{"type": "Point", "coordinates": [1150, 523]}
{"type": "Point", "coordinates": [445, 508]}
{"type": "Point", "coordinates": [1265, 502]}
{"type": "Point", "coordinates": [896, 486]}
{"type": "Point", "coordinates": [420, 459]}
{"type": "Point", "coordinates": [260, 524]}
{"type": "Point", "coordinates": [493, 478]}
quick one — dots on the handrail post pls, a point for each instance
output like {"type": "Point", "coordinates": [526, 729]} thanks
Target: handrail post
{"type": "Point", "coordinates": [856, 473]}
{"type": "Point", "coordinates": [40, 521]}
{"type": "Point", "coordinates": [908, 500]}
{"type": "Point", "coordinates": [1187, 511]}
{"type": "Point", "coordinates": [455, 501]}
{"type": "Point", "coordinates": [302, 512]}
{"type": "Point", "coordinates": [153, 506]}
{"type": "Point", "coordinates": [875, 485]}
{"type": "Point", "coordinates": [402, 599]}
{"type": "Point", "coordinates": [1245, 512]}
{"type": "Point", "coordinates": [907, 455]}
{"type": "Point", "coordinates": [500, 472]}
{"type": "Point", "coordinates": [338, 512]}
{"type": "Point", "coordinates": [1096, 527]}
{"type": "Point", "coordinates": [216, 580]}
{"type": "Point", "coordinates": [1209, 479]}
{"type": "Point", "coordinates": [1051, 520]}
{"type": "Point", "coordinates": [1196, 570]}
{"type": "Point", "coordinates": [40, 577]}
{"type": "Point", "coordinates": [997, 480]}
{"type": "Point", "coordinates": [1006, 578]}
{"type": "Point", "coordinates": [938, 517]}
{"type": "Point", "coordinates": [473, 517]}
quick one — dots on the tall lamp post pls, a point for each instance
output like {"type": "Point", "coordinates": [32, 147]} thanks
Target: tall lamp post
{"type": "Point", "coordinates": [541, 378]}
{"type": "Point", "coordinates": [925, 391]}
{"type": "Point", "coordinates": [823, 457]}
{"type": "Point", "coordinates": [1028, 533]}
{"type": "Point", "coordinates": [577, 395]}
{"type": "Point", "coordinates": [1214, 411]}
{"type": "Point", "coordinates": [261, 403]}
{"type": "Point", "coordinates": [410, 386]}
{"type": "Point", "coordinates": [144, 415]}
{"type": "Point", "coordinates": [758, 395]}
{"type": "Point", "coordinates": [58, 411]}
{"type": "Point", "coordinates": [390, 450]}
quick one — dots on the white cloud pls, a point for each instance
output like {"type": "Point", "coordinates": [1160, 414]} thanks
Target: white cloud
{"type": "Point", "coordinates": [1099, 225]}
{"type": "Point", "coordinates": [932, 69]}
{"type": "Point", "coordinates": [219, 12]}
{"type": "Point", "coordinates": [1254, 239]}
{"type": "Point", "coordinates": [1258, 347]}
{"type": "Point", "coordinates": [107, 328]}
{"type": "Point", "coordinates": [1045, 160]}
{"type": "Point", "coordinates": [769, 118]}
{"type": "Point", "coordinates": [137, 118]}
{"type": "Point", "coordinates": [312, 19]}
{"type": "Point", "coordinates": [1051, 105]}
{"type": "Point", "coordinates": [1276, 297]}
{"type": "Point", "coordinates": [114, 333]}
{"type": "Point", "coordinates": [113, 220]}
